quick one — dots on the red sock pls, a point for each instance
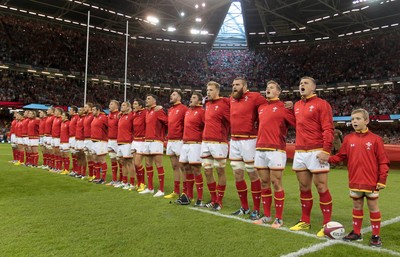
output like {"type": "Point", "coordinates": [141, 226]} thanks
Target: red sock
{"type": "Point", "coordinates": [58, 162]}
{"type": "Point", "coordinates": [266, 195]}
{"type": "Point", "coordinates": [21, 156]}
{"type": "Point", "coordinates": [150, 174]}
{"type": "Point", "coordinates": [306, 205]}
{"type": "Point", "coordinates": [66, 163]}
{"type": "Point", "coordinates": [220, 193]}
{"type": "Point", "coordinates": [36, 159]}
{"type": "Point", "coordinates": [325, 204]}
{"type": "Point", "coordinates": [103, 170]}
{"type": "Point", "coordinates": [120, 171]}
{"type": "Point", "coordinates": [358, 216]}
{"type": "Point", "coordinates": [241, 188]}
{"type": "Point", "coordinates": [96, 169]}
{"type": "Point", "coordinates": [140, 174]}
{"type": "Point", "coordinates": [52, 161]}
{"type": "Point", "coordinates": [78, 169]}
{"type": "Point", "coordinates": [114, 170]}
{"type": "Point", "coordinates": [91, 168]}
{"type": "Point", "coordinates": [279, 198]}
{"type": "Point", "coordinates": [212, 187]}
{"type": "Point", "coordinates": [132, 180]}
{"type": "Point", "coordinates": [160, 171]}
{"type": "Point", "coordinates": [184, 187]}
{"type": "Point", "coordinates": [177, 186]}
{"type": "Point", "coordinates": [45, 162]}
{"type": "Point", "coordinates": [190, 185]}
{"type": "Point", "coordinates": [256, 193]}
{"type": "Point", "coordinates": [375, 218]}
{"type": "Point", "coordinates": [199, 186]}
{"type": "Point", "coordinates": [28, 158]}
{"type": "Point", "coordinates": [124, 179]}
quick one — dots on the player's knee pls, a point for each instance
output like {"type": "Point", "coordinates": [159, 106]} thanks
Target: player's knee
{"type": "Point", "coordinates": [237, 165]}
{"type": "Point", "coordinates": [207, 163]}
{"type": "Point", "coordinates": [113, 155]}
{"type": "Point", "coordinates": [220, 163]}
{"type": "Point", "coordinates": [249, 167]}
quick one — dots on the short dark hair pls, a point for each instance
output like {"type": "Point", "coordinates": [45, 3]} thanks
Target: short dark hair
{"type": "Point", "coordinates": [139, 101]}
{"type": "Point", "coordinates": [67, 115]}
{"type": "Point", "coordinates": [154, 96]}
{"type": "Point", "coordinates": [74, 108]}
{"type": "Point", "coordinates": [98, 107]}
{"type": "Point", "coordinates": [200, 96]}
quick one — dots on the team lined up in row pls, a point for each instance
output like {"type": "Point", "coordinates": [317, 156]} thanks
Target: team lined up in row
{"type": "Point", "coordinates": [257, 128]}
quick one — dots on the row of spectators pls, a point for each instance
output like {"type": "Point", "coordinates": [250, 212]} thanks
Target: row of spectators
{"type": "Point", "coordinates": [54, 46]}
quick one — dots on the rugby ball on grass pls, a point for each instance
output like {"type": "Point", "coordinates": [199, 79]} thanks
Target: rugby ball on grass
{"type": "Point", "coordinates": [334, 230]}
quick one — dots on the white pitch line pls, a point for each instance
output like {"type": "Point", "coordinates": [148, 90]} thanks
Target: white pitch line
{"type": "Point", "coordinates": [315, 247]}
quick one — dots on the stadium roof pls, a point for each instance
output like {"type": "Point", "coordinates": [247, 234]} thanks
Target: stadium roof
{"type": "Point", "coordinates": [265, 22]}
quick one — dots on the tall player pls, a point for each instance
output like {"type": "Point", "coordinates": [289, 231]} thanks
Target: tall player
{"type": "Point", "coordinates": [33, 133]}
{"type": "Point", "coordinates": [139, 131]}
{"type": "Point", "coordinates": [65, 142]}
{"type": "Point", "coordinates": [156, 125]}
{"type": "Point", "coordinates": [55, 141]}
{"type": "Point", "coordinates": [124, 140]}
{"type": "Point", "coordinates": [42, 127]}
{"type": "Point", "coordinates": [214, 147]}
{"type": "Point", "coordinates": [48, 159]}
{"type": "Point", "coordinates": [25, 137]}
{"type": "Point", "coordinates": [98, 135]}
{"type": "Point", "coordinates": [13, 139]}
{"type": "Point", "coordinates": [176, 116]}
{"type": "Point", "coordinates": [243, 116]}
{"type": "Point", "coordinates": [270, 158]}
{"type": "Point", "coordinates": [88, 141]}
{"type": "Point", "coordinates": [314, 136]}
{"type": "Point", "coordinates": [191, 149]}
{"type": "Point", "coordinates": [113, 118]}
{"type": "Point", "coordinates": [73, 117]}
{"type": "Point", "coordinates": [80, 145]}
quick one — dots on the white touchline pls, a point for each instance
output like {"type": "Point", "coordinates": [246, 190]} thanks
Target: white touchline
{"type": "Point", "coordinates": [318, 246]}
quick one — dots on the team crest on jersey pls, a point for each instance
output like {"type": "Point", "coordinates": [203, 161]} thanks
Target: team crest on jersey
{"type": "Point", "coordinates": [246, 98]}
{"type": "Point", "coordinates": [368, 144]}
{"type": "Point", "coordinates": [297, 111]}
{"type": "Point", "coordinates": [195, 113]}
{"type": "Point", "coordinates": [216, 108]}
{"type": "Point", "coordinates": [177, 111]}
{"type": "Point", "coordinates": [274, 109]}
{"type": "Point", "coordinates": [312, 108]}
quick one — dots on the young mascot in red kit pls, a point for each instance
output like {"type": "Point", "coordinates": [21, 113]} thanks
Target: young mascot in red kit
{"type": "Point", "coordinates": [368, 167]}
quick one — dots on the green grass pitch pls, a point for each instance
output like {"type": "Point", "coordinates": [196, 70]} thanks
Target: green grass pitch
{"type": "Point", "coordinates": [46, 214]}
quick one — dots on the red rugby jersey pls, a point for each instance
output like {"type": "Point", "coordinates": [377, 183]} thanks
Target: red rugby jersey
{"type": "Point", "coordinates": [314, 124]}
{"type": "Point", "coordinates": [64, 134]}
{"type": "Point", "coordinates": [216, 121]}
{"type": "Point", "coordinates": [113, 118]}
{"type": "Point", "coordinates": [99, 128]}
{"type": "Point", "coordinates": [13, 125]}
{"type": "Point", "coordinates": [24, 128]}
{"type": "Point", "coordinates": [274, 120]}
{"type": "Point", "coordinates": [243, 115]}
{"type": "Point", "coordinates": [56, 127]}
{"type": "Point", "coordinates": [87, 125]}
{"type": "Point", "coordinates": [194, 124]}
{"type": "Point", "coordinates": [18, 129]}
{"type": "Point", "coordinates": [139, 125]}
{"type": "Point", "coordinates": [48, 125]}
{"type": "Point", "coordinates": [33, 128]}
{"type": "Point", "coordinates": [368, 163]}
{"type": "Point", "coordinates": [156, 124]}
{"type": "Point", "coordinates": [42, 126]}
{"type": "Point", "coordinates": [72, 125]}
{"type": "Point", "coordinates": [125, 128]}
{"type": "Point", "coordinates": [79, 135]}
{"type": "Point", "coordinates": [176, 117]}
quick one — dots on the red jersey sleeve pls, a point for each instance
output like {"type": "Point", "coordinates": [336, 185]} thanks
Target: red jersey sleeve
{"type": "Point", "coordinates": [383, 162]}
{"type": "Point", "coordinates": [326, 119]}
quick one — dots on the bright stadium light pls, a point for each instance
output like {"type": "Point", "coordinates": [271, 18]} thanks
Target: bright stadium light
{"type": "Point", "coordinates": [171, 29]}
{"type": "Point", "coordinates": [195, 31]}
{"type": "Point", "coordinates": [153, 19]}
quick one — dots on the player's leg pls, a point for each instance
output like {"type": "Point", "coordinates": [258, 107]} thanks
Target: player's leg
{"type": "Point", "coordinates": [358, 214]}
